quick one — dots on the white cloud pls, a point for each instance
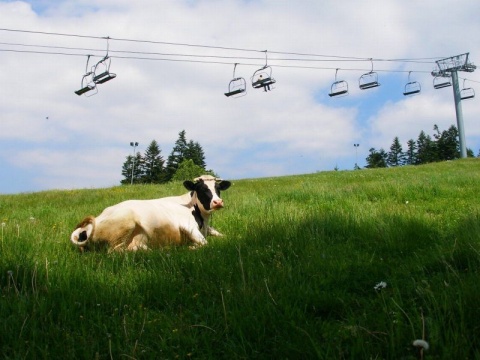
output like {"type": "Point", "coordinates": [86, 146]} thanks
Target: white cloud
{"type": "Point", "coordinates": [294, 128]}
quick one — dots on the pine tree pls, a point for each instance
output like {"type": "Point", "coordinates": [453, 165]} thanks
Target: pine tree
{"type": "Point", "coordinates": [411, 154]}
{"type": "Point", "coordinates": [177, 155]}
{"type": "Point", "coordinates": [132, 169]}
{"type": "Point", "coordinates": [153, 165]}
{"type": "Point", "coordinates": [447, 143]}
{"type": "Point", "coordinates": [396, 156]}
{"type": "Point", "coordinates": [426, 152]}
{"type": "Point", "coordinates": [195, 152]}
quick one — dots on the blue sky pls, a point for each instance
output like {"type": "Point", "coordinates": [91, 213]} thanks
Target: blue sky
{"type": "Point", "coordinates": [54, 139]}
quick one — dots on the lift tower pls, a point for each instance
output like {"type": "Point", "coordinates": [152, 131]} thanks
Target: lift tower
{"type": "Point", "coordinates": [449, 67]}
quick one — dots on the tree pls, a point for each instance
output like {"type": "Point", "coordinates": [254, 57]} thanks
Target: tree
{"type": "Point", "coordinates": [177, 155]}
{"type": "Point", "coordinates": [426, 152]}
{"type": "Point", "coordinates": [153, 165]}
{"type": "Point", "coordinates": [411, 154]}
{"type": "Point", "coordinates": [188, 170]}
{"type": "Point", "coordinates": [195, 152]}
{"type": "Point", "coordinates": [376, 159]}
{"type": "Point", "coordinates": [396, 156]}
{"type": "Point", "coordinates": [447, 143]}
{"type": "Point", "coordinates": [135, 165]}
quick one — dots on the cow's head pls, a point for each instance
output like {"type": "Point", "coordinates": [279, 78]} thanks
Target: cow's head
{"type": "Point", "coordinates": [207, 189]}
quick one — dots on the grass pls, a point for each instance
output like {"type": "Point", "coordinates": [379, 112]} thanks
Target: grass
{"type": "Point", "coordinates": [293, 278]}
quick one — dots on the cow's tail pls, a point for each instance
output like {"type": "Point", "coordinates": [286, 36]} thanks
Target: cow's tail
{"type": "Point", "coordinates": [83, 232]}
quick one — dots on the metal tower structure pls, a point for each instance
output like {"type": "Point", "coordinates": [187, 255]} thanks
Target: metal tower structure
{"type": "Point", "coordinates": [449, 67]}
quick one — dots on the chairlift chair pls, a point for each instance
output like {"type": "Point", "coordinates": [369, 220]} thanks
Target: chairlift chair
{"type": "Point", "coordinates": [87, 83]}
{"type": "Point", "coordinates": [440, 82]}
{"type": "Point", "coordinates": [86, 89]}
{"type": "Point", "coordinates": [339, 87]}
{"type": "Point", "coordinates": [104, 76]}
{"type": "Point", "coordinates": [237, 87]}
{"type": "Point", "coordinates": [412, 87]}
{"type": "Point", "coordinates": [262, 78]}
{"type": "Point", "coordinates": [466, 93]}
{"type": "Point", "coordinates": [368, 80]}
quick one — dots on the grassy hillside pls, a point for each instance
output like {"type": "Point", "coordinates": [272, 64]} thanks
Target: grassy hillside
{"type": "Point", "coordinates": [333, 265]}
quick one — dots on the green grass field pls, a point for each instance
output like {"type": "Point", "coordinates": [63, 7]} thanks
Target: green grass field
{"type": "Point", "coordinates": [294, 277]}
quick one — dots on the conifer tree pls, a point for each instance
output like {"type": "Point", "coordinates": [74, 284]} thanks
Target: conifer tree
{"type": "Point", "coordinates": [153, 165]}
{"type": "Point", "coordinates": [425, 149]}
{"type": "Point", "coordinates": [395, 156]}
{"type": "Point", "coordinates": [448, 146]}
{"type": "Point", "coordinates": [411, 154]}
{"type": "Point", "coordinates": [132, 169]}
{"type": "Point", "coordinates": [195, 152]}
{"type": "Point", "coordinates": [177, 155]}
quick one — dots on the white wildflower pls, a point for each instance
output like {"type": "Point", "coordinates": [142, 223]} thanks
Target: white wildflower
{"type": "Point", "coordinates": [421, 344]}
{"type": "Point", "coordinates": [381, 285]}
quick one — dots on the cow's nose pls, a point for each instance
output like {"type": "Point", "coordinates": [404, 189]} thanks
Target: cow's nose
{"type": "Point", "coordinates": [217, 203]}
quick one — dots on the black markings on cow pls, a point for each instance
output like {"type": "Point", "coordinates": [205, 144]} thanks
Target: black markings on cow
{"type": "Point", "coordinates": [198, 216]}
{"type": "Point", "coordinates": [82, 236]}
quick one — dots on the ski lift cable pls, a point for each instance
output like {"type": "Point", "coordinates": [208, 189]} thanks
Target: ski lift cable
{"type": "Point", "coordinates": [203, 61]}
{"type": "Point", "coordinates": [177, 54]}
{"type": "Point", "coordinates": [211, 47]}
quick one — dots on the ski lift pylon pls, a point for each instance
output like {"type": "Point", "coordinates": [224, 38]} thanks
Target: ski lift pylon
{"type": "Point", "coordinates": [412, 87]}
{"type": "Point", "coordinates": [339, 87]}
{"type": "Point", "coordinates": [87, 83]}
{"type": "Point", "coordinates": [368, 80]}
{"type": "Point", "coordinates": [237, 87]}
{"type": "Point", "coordinates": [262, 78]}
{"type": "Point", "coordinates": [466, 93]}
{"type": "Point", "coordinates": [440, 82]}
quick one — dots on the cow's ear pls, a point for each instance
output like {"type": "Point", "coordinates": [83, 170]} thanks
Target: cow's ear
{"type": "Point", "coordinates": [189, 185]}
{"type": "Point", "coordinates": [224, 185]}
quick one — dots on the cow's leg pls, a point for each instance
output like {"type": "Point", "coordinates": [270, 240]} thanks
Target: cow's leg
{"type": "Point", "coordinates": [139, 242]}
{"type": "Point", "coordinates": [195, 236]}
{"type": "Point", "coordinates": [117, 230]}
{"type": "Point", "coordinates": [213, 232]}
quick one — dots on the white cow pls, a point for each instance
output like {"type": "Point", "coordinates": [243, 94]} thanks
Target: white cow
{"type": "Point", "coordinates": [143, 224]}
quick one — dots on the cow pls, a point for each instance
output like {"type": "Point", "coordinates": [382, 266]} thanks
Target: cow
{"type": "Point", "coordinates": [145, 224]}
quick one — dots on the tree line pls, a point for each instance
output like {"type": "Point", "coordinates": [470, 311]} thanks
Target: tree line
{"type": "Point", "coordinates": [186, 161]}
{"type": "Point", "coordinates": [443, 146]}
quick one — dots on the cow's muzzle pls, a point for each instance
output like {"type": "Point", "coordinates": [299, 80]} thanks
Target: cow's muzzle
{"type": "Point", "coordinates": [217, 204]}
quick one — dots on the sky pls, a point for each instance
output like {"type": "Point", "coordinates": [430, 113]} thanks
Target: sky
{"type": "Point", "coordinates": [174, 60]}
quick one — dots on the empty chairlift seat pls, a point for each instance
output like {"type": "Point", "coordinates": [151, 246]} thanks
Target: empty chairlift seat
{"type": "Point", "coordinates": [101, 71]}
{"type": "Point", "coordinates": [237, 86]}
{"type": "Point", "coordinates": [440, 82]}
{"type": "Point", "coordinates": [368, 80]}
{"type": "Point", "coordinates": [87, 83]}
{"type": "Point", "coordinates": [339, 87]}
{"type": "Point", "coordinates": [467, 93]}
{"type": "Point", "coordinates": [412, 88]}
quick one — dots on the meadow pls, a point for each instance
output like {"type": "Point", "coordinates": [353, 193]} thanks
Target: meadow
{"type": "Point", "coordinates": [331, 265]}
